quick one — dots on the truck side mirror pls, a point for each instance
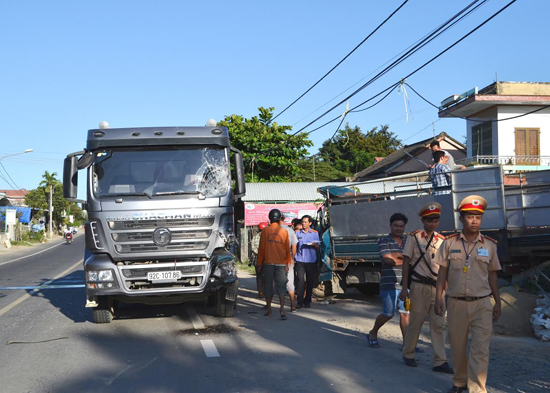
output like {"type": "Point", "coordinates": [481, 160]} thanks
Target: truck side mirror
{"type": "Point", "coordinates": [240, 186]}
{"type": "Point", "coordinates": [70, 178]}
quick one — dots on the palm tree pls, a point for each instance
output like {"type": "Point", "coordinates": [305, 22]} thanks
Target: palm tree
{"type": "Point", "coordinates": [49, 182]}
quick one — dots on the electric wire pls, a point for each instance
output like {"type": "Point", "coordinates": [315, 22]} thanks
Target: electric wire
{"type": "Point", "coordinates": [341, 61]}
{"type": "Point", "coordinates": [397, 55]}
{"type": "Point", "coordinates": [413, 50]}
{"type": "Point", "coordinates": [17, 188]}
{"type": "Point", "coordinates": [410, 74]}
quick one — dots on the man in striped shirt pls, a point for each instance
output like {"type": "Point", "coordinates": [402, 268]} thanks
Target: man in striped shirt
{"type": "Point", "coordinates": [391, 253]}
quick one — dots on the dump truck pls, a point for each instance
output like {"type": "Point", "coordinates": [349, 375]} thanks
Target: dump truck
{"type": "Point", "coordinates": [356, 215]}
{"type": "Point", "coordinates": [160, 204]}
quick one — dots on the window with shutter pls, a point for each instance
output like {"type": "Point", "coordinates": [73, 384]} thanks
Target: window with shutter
{"type": "Point", "coordinates": [527, 146]}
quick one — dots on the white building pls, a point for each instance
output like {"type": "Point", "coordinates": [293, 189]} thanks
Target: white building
{"type": "Point", "coordinates": [507, 123]}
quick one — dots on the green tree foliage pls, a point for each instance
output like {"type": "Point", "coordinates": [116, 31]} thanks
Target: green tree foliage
{"type": "Point", "coordinates": [322, 171]}
{"type": "Point", "coordinates": [351, 150]}
{"type": "Point", "coordinates": [269, 152]}
{"type": "Point", "coordinates": [39, 198]}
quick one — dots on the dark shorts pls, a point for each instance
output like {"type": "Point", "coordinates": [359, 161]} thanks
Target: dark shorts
{"type": "Point", "coordinates": [275, 273]}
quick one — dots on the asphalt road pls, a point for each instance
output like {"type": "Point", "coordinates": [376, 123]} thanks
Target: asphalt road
{"type": "Point", "coordinates": [48, 342]}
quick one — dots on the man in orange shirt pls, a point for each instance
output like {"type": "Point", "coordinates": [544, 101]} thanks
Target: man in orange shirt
{"type": "Point", "coordinates": [274, 260]}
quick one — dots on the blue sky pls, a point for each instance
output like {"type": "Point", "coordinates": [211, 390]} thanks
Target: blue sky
{"type": "Point", "coordinates": [67, 65]}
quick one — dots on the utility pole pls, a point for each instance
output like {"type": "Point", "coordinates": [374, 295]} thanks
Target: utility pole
{"type": "Point", "coordinates": [51, 210]}
{"type": "Point", "coordinates": [313, 158]}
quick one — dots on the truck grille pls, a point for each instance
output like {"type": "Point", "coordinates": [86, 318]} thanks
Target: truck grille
{"type": "Point", "coordinates": [153, 224]}
{"type": "Point", "coordinates": [148, 236]}
{"type": "Point", "coordinates": [134, 237]}
{"type": "Point", "coordinates": [140, 248]}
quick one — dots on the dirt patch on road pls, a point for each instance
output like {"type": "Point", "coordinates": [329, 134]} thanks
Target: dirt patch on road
{"type": "Point", "coordinates": [210, 330]}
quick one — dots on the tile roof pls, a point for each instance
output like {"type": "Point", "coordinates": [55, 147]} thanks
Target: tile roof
{"type": "Point", "coordinates": [378, 169]}
{"type": "Point", "coordinates": [15, 193]}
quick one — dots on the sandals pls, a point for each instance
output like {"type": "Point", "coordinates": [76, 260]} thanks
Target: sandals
{"type": "Point", "coordinates": [373, 343]}
{"type": "Point", "coordinates": [283, 317]}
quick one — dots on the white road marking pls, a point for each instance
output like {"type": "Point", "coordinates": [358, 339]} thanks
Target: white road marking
{"type": "Point", "coordinates": [31, 255]}
{"type": "Point", "coordinates": [195, 319]}
{"type": "Point", "coordinates": [28, 295]}
{"type": "Point", "coordinates": [40, 287]}
{"type": "Point", "coordinates": [210, 349]}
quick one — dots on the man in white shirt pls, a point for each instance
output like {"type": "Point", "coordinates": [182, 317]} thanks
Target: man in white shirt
{"type": "Point", "coordinates": [434, 146]}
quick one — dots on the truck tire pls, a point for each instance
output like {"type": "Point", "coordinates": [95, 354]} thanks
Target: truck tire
{"type": "Point", "coordinates": [226, 308]}
{"type": "Point", "coordinates": [102, 316]}
{"type": "Point", "coordinates": [103, 313]}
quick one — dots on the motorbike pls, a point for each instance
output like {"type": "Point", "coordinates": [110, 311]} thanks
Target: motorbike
{"type": "Point", "coordinates": [68, 238]}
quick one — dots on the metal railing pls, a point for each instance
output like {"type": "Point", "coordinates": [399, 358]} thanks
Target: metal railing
{"type": "Point", "coordinates": [506, 160]}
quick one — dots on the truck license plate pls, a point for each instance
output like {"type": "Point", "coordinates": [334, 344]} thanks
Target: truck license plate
{"type": "Point", "coordinates": [164, 276]}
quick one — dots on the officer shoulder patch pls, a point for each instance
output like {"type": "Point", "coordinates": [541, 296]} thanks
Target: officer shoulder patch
{"type": "Point", "coordinates": [452, 235]}
{"type": "Point", "coordinates": [491, 239]}
{"type": "Point", "coordinates": [414, 232]}
{"type": "Point", "coordinates": [440, 236]}
{"type": "Point", "coordinates": [313, 230]}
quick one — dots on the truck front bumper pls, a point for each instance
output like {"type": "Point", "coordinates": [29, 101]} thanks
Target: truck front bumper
{"type": "Point", "coordinates": [103, 277]}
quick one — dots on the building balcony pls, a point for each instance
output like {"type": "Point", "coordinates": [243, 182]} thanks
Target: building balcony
{"type": "Point", "coordinates": [530, 162]}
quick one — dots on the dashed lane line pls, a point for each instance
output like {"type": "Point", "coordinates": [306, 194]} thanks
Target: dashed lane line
{"type": "Point", "coordinates": [40, 287]}
{"type": "Point", "coordinates": [210, 349]}
{"type": "Point", "coordinates": [28, 295]}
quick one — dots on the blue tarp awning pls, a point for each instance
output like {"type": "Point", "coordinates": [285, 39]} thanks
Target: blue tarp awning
{"type": "Point", "coordinates": [23, 213]}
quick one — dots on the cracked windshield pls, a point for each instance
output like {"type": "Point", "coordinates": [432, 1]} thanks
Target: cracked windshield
{"type": "Point", "coordinates": [161, 172]}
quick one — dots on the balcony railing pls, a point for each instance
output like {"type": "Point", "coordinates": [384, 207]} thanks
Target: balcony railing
{"type": "Point", "coordinates": [506, 160]}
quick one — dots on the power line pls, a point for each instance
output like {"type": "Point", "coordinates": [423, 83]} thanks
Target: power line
{"type": "Point", "coordinates": [403, 58]}
{"type": "Point", "coordinates": [418, 132]}
{"type": "Point", "coordinates": [17, 188]}
{"type": "Point", "coordinates": [397, 55]}
{"type": "Point", "coordinates": [417, 47]}
{"type": "Point", "coordinates": [341, 61]}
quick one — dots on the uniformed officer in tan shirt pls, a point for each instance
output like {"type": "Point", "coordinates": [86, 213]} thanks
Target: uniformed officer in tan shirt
{"type": "Point", "coordinates": [468, 267]}
{"type": "Point", "coordinates": [420, 254]}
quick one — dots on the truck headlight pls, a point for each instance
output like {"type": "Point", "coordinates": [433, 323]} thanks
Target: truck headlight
{"type": "Point", "coordinates": [225, 269]}
{"type": "Point", "coordinates": [100, 275]}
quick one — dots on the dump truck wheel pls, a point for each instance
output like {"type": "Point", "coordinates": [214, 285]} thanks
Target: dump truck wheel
{"type": "Point", "coordinates": [226, 308]}
{"type": "Point", "coordinates": [103, 313]}
{"type": "Point", "coordinates": [102, 316]}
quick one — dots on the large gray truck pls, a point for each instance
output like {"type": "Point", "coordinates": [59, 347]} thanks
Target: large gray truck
{"type": "Point", "coordinates": [160, 226]}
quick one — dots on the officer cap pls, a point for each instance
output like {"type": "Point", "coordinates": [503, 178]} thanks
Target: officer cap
{"type": "Point", "coordinates": [432, 209]}
{"type": "Point", "coordinates": [473, 203]}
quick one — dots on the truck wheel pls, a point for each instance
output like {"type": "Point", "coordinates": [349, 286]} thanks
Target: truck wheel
{"type": "Point", "coordinates": [226, 308]}
{"type": "Point", "coordinates": [103, 313]}
{"type": "Point", "coordinates": [369, 289]}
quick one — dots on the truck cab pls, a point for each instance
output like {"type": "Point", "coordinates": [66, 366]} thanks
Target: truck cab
{"type": "Point", "coordinates": [160, 223]}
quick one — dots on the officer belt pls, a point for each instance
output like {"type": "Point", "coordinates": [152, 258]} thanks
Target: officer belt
{"type": "Point", "coordinates": [470, 298]}
{"type": "Point", "coordinates": [422, 280]}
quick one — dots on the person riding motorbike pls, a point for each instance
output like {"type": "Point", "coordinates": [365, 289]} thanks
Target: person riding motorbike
{"type": "Point", "coordinates": [68, 237]}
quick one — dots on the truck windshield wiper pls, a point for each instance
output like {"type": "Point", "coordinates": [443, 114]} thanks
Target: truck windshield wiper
{"type": "Point", "coordinates": [133, 194]}
{"type": "Point", "coordinates": [178, 193]}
